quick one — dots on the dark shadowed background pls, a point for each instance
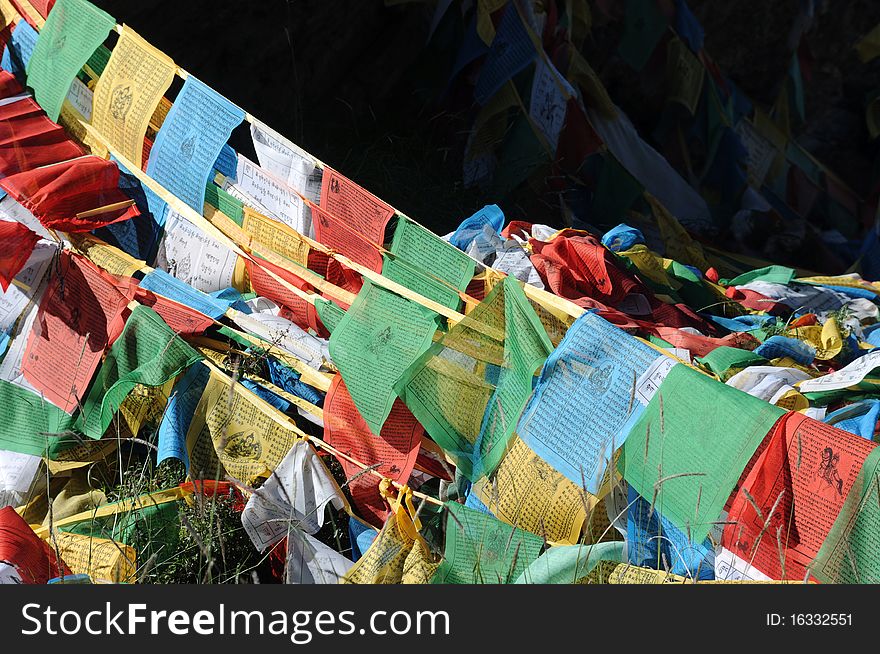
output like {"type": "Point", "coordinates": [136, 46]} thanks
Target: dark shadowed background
{"type": "Point", "coordinates": [353, 82]}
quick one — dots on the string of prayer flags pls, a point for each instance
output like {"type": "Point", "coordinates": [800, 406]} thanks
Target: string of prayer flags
{"type": "Point", "coordinates": [263, 191]}
{"type": "Point", "coordinates": [28, 139]}
{"type": "Point", "coordinates": [152, 520]}
{"type": "Point", "coordinates": [222, 355]}
{"type": "Point", "coordinates": [194, 257]}
{"type": "Point", "coordinates": [192, 136]}
{"type": "Point", "coordinates": [182, 319]}
{"type": "Point", "coordinates": [292, 307]}
{"type": "Point", "coordinates": [309, 561]}
{"type": "Point", "coordinates": [573, 564]}
{"type": "Point", "coordinates": [549, 101]}
{"type": "Point", "coordinates": [490, 215]}
{"type": "Point", "coordinates": [73, 31]}
{"type": "Point", "coordinates": [654, 542]}
{"type": "Point", "coordinates": [178, 414]}
{"type": "Point", "coordinates": [374, 343]}
{"type": "Point", "coordinates": [172, 288]}
{"type": "Point", "coordinates": [288, 162]}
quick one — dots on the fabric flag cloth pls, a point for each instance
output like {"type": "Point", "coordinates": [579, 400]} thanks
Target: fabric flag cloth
{"type": "Point", "coordinates": [178, 414]}
{"type": "Point", "coordinates": [469, 388]}
{"type": "Point", "coordinates": [470, 227]}
{"type": "Point", "coordinates": [480, 549]}
{"type": "Point", "coordinates": [790, 499]}
{"type": "Point", "coordinates": [73, 31]}
{"type": "Point", "coordinates": [577, 266]}
{"type": "Point", "coordinates": [849, 554]}
{"type": "Point", "coordinates": [31, 558]}
{"type": "Point", "coordinates": [28, 139]}
{"type": "Point", "coordinates": [147, 352]}
{"type": "Point", "coordinates": [57, 193]}
{"type": "Point", "coordinates": [374, 343]}
{"type": "Point", "coordinates": [394, 450]}
{"type": "Point", "coordinates": [294, 498]}
{"type": "Point", "coordinates": [293, 307]}
{"type": "Point", "coordinates": [31, 425]}
{"type": "Point", "coordinates": [19, 49]}
{"type": "Point", "coordinates": [511, 51]}
{"type": "Point", "coordinates": [309, 561]}
{"type": "Point", "coordinates": [427, 264]}
{"type": "Point", "coordinates": [654, 542]}
{"type": "Point", "coordinates": [191, 138]}
{"type": "Point", "coordinates": [16, 244]}
{"type": "Point", "coordinates": [586, 399]}
{"type": "Point", "coordinates": [689, 447]}
{"type": "Point", "coordinates": [80, 314]}
{"type": "Point", "coordinates": [351, 220]}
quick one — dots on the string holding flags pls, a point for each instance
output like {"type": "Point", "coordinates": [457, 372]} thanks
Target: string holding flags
{"type": "Point", "coordinates": [360, 400]}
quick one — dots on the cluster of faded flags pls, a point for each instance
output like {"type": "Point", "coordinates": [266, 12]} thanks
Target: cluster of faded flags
{"type": "Point", "coordinates": [730, 169]}
{"type": "Point", "coordinates": [509, 403]}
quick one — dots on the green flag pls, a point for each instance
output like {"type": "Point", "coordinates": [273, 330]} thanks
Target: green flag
{"type": "Point", "coordinates": [469, 388]}
{"type": "Point", "coordinates": [849, 554]}
{"type": "Point", "coordinates": [147, 352]}
{"type": "Point", "coordinates": [72, 33]}
{"type": "Point", "coordinates": [428, 265]}
{"type": "Point", "coordinates": [31, 425]}
{"type": "Point", "coordinates": [374, 343]}
{"type": "Point", "coordinates": [688, 449]}
{"type": "Point", "coordinates": [481, 549]}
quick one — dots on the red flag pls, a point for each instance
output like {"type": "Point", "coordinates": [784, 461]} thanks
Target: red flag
{"type": "Point", "coordinates": [395, 449]}
{"type": "Point", "coordinates": [57, 193]}
{"type": "Point", "coordinates": [31, 557]}
{"type": "Point", "coordinates": [294, 308]}
{"type": "Point", "coordinates": [793, 494]}
{"type": "Point", "coordinates": [16, 244]}
{"type": "Point", "coordinates": [28, 139]}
